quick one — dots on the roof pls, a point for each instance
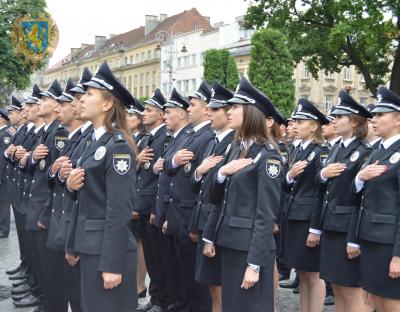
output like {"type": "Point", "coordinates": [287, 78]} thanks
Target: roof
{"type": "Point", "coordinates": [183, 22]}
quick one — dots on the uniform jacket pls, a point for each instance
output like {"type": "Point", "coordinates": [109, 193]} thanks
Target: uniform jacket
{"type": "Point", "coordinates": [99, 224]}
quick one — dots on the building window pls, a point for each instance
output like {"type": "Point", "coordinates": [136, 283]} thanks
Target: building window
{"type": "Point", "coordinates": [130, 83]}
{"type": "Point", "coordinates": [194, 85]}
{"type": "Point", "coordinates": [330, 75]}
{"type": "Point", "coordinates": [180, 86]}
{"type": "Point", "coordinates": [141, 92]}
{"type": "Point", "coordinates": [187, 60]}
{"type": "Point", "coordinates": [328, 102]}
{"type": "Point", "coordinates": [363, 101]}
{"type": "Point", "coordinates": [154, 77]}
{"type": "Point", "coordinates": [131, 59]}
{"type": "Point", "coordinates": [147, 78]}
{"type": "Point", "coordinates": [137, 58]}
{"type": "Point", "coordinates": [194, 59]}
{"type": "Point", "coordinates": [305, 71]}
{"type": "Point", "coordinates": [148, 55]}
{"type": "Point", "coordinates": [141, 79]}
{"type": "Point", "coordinates": [346, 73]}
{"type": "Point", "coordinates": [126, 60]}
{"type": "Point", "coordinates": [135, 91]}
{"type": "Point", "coordinates": [135, 81]}
{"type": "Point", "coordinates": [202, 58]}
{"type": "Point", "coordinates": [143, 56]}
{"type": "Point", "coordinates": [186, 82]}
{"type": "Point", "coordinates": [147, 91]}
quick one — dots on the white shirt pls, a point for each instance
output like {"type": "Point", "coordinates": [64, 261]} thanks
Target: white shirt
{"type": "Point", "coordinates": [374, 141]}
{"type": "Point", "coordinates": [333, 141]}
{"type": "Point", "coordinates": [296, 142]}
{"type": "Point", "coordinates": [2, 127]}
{"type": "Point", "coordinates": [70, 135]}
{"type": "Point", "coordinates": [154, 131]}
{"type": "Point", "coordinates": [98, 133]}
{"type": "Point", "coordinates": [86, 125]}
{"type": "Point", "coordinates": [345, 143]}
{"type": "Point", "coordinates": [30, 126]}
{"type": "Point", "coordinates": [47, 126]}
{"type": "Point", "coordinates": [177, 132]}
{"type": "Point", "coordinates": [38, 128]}
{"type": "Point", "coordinates": [201, 125]}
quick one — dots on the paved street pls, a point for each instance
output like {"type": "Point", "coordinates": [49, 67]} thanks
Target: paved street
{"type": "Point", "coordinates": [288, 302]}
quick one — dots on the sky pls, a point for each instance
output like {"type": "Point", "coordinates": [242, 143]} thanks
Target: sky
{"type": "Point", "coordinates": [78, 21]}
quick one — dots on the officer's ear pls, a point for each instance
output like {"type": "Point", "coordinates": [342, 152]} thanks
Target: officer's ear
{"type": "Point", "coordinates": [396, 120]}
{"type": "Point", "coordinates": [107, 105]}
{"type": "Point", "coordinates": [270, 122]}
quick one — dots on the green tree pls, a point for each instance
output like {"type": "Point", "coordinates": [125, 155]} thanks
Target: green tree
{"type": "Point", "coordinates": [271, 68]}
{"type": "Point", "coordinates": [15, 70]}
{"type": "Point", "coordinates": [220, 65]}
{"type": "Point", "coordinates": [330, 34]}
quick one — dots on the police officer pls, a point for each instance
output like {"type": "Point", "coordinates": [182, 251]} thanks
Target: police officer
{"type": "Point", "coordinates": [249, 185]}
{"type": "Point", "coordinates": [375, 226]}
{"type": "Point", "coordinates": [181, 165]}
{"type": "Point", "coordinates": [208, 270]}
{"type": "Point", "coordinates": [177, 121]}
{"type": "Point", "coordinates": [104, 183]}
{"type": "Point", "coordinates": [301, 243]}
{"type": "Point", "coordinates": [45, 152]}
{"type": "Point", "coordinates": [341, 166]}
{"type": "Point", "coordinates": [5, 140]}
{"type": "Point", "coordinates": [373, 140]}
{"type": "Point", "coordinates": [154, 146]}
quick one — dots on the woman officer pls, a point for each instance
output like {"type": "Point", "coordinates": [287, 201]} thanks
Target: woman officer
{"type": "Point", "coordinates": [249, 187]}
{"type": "Point", "coordinates": [300, 248]}
{"type": "Point", "coordinates": [342, 165]}
{"type": "Point", "coordinates": [104, 180]}
{"type": "Point", "coordinates": [377, 225]}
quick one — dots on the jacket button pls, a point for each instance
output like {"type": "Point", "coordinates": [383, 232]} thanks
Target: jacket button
{"type": "Point", "coordinates": [224, 202]}
{"type": "Point", "coordinates": [170, 200]}
{"type": "Point", "coordinates": [138, 190]}
{"type": "Point", "coordinates": [33, 181]}
{"type": "Point", "coordinates": [62, 194]}
{"type": "Point", "coordinates": [54, 194]}
{"type": "Point", "coordinates": [201, 191]}
{"type": "Point", "coordinates": [23, 193]}
{"type": "Point", "coordinates": [24, 180]}
{"type": "Point", "coordinates": [62, 211]}
{"type": "Point", "coordinates": [30, 195]}
{"type": "Point", "coordinates": [158, 197]}
{"type": "Point", "coordinates": [52, 210]}
{"type": "Point", "coordinates": [172, 184]}
{"type": "Point", "coordinates": [138, 178]}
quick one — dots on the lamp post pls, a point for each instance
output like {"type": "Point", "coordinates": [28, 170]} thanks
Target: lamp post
{"type": "Point", "coordinates": [164, 37]}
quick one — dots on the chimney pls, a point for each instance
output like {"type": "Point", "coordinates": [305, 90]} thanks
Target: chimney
{"type": "Point", "coordinates": [99, 41]}
{"type": "Point", "coordinates": [112, 36]}
{"type": "Point", "coordinates": [207, 19]}
{"type": "Point", "coordinates": [163, 17]}
{"type": "Point", "coordinates": [151, 22]}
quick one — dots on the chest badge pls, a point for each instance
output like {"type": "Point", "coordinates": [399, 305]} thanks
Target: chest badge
{"type": "Point", "coordinates": [394, 158]}
{"type": "Point", "coordinates": [354, 156]}
{"type": "Point", "coordinates": [6, 140]}
{"type": "Point", "coordinates": [42, 164]}
{"type": "Point", "coordinates": [100, 152]}
{"type": "Point", "coordinates": [146, 165]}
{"type": "Point", "coordinates": [311, 156]}
{"type": "Point", "coordinates": [187, 168]}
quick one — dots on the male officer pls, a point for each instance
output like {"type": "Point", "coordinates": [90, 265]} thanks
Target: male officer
{"type": "Point", "coordinates": [181, 165]}
{"type": "Point", "coordinates": [177, 121]}
{"type": "Point", "coordinates": [154, 146]}
{"type": "Point", "coordinates": [44, 154]}
{"type": "Point", "coordinates": [5, 140]}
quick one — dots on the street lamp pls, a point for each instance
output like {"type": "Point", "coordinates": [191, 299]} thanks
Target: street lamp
{"type": "Point", "coordinates": [164, 37]}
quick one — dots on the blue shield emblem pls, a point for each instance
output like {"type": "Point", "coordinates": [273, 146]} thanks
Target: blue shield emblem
{"type": "Point", "coordinates": [35, 35]}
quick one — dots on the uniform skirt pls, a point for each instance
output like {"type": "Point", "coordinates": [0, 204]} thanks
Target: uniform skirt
{"type": "Point", "coordinates": [295, 252]}
{"type": "Point", "coordinates": [258, 298]}
{"type": "Point", "coordinates": [95, 298]}
{"type": "Point", "coordinates": [335, 266]}
{"type": "Point", "coordinates": [375, 261]}
{"type": "Point", "coordinates": [208, 270]}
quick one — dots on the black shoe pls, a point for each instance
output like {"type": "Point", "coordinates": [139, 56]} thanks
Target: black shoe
{"type": "Point", "coordinates": [19, 283]}
{"type": "Point", "coordinates": [289, 284]}
{"type": "Point", "coordinates": [296, 291]}
{"type": "Point", "coordinates": [329, 300]}
{"type": "Point", "coordinates": [14, 271]}
{"type": "Point", "coordinates": [19, 276]}
{"type": "Point", "coordinates": [144, 307]}
{"type": "Point", "coordinates": [142, 294]}
{"type": "Point", "coordinates": [19, 297]}
{"type": "Point", "coordinates": [20, 289]}
{"type": "Point", "coordinates": [156, 308]}
{"type": "Point", "coordinates": [30, 301]}
{"type": "Point", "coordinates": [283, 277]}
{"type": "Point", "coordinates": [3, 235]}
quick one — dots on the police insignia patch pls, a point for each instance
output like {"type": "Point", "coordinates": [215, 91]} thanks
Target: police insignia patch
{"type": "Point", "coordinates": [42, 164]}
{"type": "Point", "coordinates": [354, 156]}
{"type": "Point", "coordinates": [323, 158]}
{"type": "Point", "coordinates": [311, 156]}
{"type": "Point", "coordinates": [394, 158]}
{"type": "Point", "coordinates": [273, 168]}
{"type": "Point", "coordinates": [121, 163]}
{"type": "Point", "coordinates": [60, 142]}
{"type": "Point", "coordinates": [146, 165]}
{"type": "Point", "coordinates": [284, 158]}
{"type": "Point", "coordinates": [187, 167]}
{"type": "Point", "coordinates": [100, 152]}
{"type": "Point", "coordinates": [6, 140]}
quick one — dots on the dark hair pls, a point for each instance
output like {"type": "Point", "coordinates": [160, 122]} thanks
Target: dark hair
{"type": "Point", "coordinates": [276, 133]}
{"type": "Point", "coordinates": [361, 129]}
{"type": "Point", "coordinates": [254, 127]}
{"type": "Point", "coordinates": [116, 118]}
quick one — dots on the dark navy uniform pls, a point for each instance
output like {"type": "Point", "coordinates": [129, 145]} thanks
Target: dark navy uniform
{"type": "Point", "coordinates": [249, 204]}
{"type": "Point", "coordinates": [339, 204]}
{"type": "Point", "coordinates": [375, 226]}
{"type": "Point", "coordinates": [305, 198]}
{"type": "Point", "coordinates": [183, 201]}
{"type": "Point", "coordinates": [5, 140]}
{"type": "Point", "coordinates": [99, 230]}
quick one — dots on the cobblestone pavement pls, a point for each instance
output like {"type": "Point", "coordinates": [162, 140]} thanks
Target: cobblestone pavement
{"type": "Point", "coordinates": [9, 253]}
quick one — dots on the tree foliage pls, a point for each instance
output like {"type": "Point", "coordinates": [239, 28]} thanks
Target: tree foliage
{"type": "Point", "coordinates": [330, 34]}
{"type": "Point", "coordinates": [271, 68]}
{"type": "Point", "coordinates": [220, 65]}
